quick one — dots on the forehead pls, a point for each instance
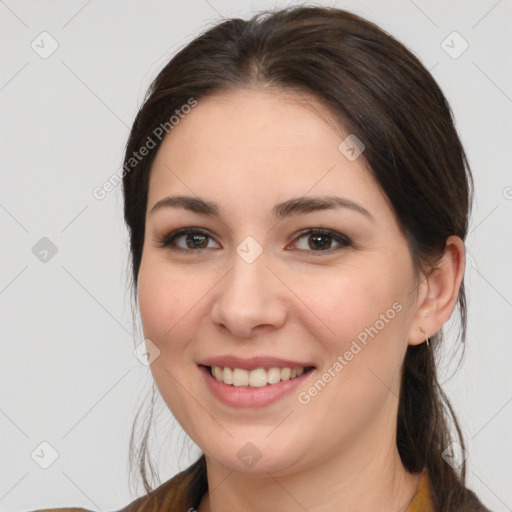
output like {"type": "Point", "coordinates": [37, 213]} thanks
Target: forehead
{"type": "Point", "coordinates": [245, 119]}
{"type": "Point", "coordinates": [261, 144]}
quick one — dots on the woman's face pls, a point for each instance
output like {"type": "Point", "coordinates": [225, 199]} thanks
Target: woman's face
{"type": "Point", "coordinates": [287, 256]}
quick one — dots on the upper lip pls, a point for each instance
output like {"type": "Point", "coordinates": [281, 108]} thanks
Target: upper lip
{"type": "Point", "coordinates": [253, 362]}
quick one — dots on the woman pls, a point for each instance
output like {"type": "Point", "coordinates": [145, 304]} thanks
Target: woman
{"type": "Point", "coordinates": [297, 199]}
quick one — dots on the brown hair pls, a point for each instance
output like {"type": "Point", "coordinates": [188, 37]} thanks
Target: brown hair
{"type": "Point", "coordinates": [382, 93]}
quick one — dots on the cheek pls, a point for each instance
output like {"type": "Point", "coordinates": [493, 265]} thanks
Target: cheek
{"type": "Point", "coordinates": [169, 304]}
{"type": "Point", "coordinates": [363, 315]}
{"type": "Point", "coordinates": [348, 301]}
{"type": "Point", "coordinates": [166, 301]}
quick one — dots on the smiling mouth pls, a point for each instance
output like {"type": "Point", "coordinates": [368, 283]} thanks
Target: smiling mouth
{"type": "Point", "coordinates": [257, 378]}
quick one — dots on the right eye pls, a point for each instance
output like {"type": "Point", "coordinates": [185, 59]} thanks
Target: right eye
{"type": "Point", "coordinates": [188, 239]}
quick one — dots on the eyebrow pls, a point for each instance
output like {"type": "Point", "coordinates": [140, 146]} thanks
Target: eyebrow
{"type": "Point", "coordinates": [296, 206]}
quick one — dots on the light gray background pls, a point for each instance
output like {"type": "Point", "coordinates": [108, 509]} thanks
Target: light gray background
{"type": "Point", "coordinates": [69, 376]}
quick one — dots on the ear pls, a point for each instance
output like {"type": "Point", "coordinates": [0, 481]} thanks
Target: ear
{"type": "Point", "coordinates": [439, 292]}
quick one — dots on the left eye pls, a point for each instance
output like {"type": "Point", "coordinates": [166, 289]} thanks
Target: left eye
{"type": "Point", "coordinates": [320, 241]}
{"type": "Point", "coordinates": [190, 239]}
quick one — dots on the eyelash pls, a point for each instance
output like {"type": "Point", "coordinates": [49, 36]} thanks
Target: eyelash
{"type": "Point", "coordinates": [339, 238]}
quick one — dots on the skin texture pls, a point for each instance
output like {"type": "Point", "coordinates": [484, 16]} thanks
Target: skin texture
{"type": "Point", "coordinates": [247, 150]}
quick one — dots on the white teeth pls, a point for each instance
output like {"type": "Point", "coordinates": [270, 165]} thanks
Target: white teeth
{"type": "Point", "coordinates": [226, 375]}
{"type": "Point", "coordinates": [240, 377]}
{"type": "Point", "coordinates": [257, 378]}
{"type": "Point", "coordinates": [273, 375]}
{"type": "Point", "coordinates": [285, 373]}
{"type": "Point", "coordinates": [217, 372]}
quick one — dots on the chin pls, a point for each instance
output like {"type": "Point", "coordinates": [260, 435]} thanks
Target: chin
{"type": "Point", "coordinates": [259, 456]}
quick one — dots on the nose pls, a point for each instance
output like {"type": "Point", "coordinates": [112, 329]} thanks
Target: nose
{"type": "Point", "coordinates": [249, 299]}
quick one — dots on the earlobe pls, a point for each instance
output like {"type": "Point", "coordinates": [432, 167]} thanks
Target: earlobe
{"type": "Point", "coordinates": [442, 287]}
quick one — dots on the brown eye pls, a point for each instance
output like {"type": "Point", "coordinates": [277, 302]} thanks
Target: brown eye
{"type": "Point", "coordinates": [188, 240]}
{"type": "Point", "coordinates": [321, 240]}
{"type": "Point", "coordinates": [196, 241]}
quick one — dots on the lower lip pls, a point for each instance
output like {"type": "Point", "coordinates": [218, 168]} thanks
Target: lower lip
{"type": "Point", "coordinates": [250, 397]}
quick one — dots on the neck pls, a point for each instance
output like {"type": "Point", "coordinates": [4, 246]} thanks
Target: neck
{"type": "Point", "coordinates": [362, 480]}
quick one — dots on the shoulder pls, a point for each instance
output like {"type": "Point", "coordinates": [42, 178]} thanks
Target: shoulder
{"type": "Point", "coordinates": [181, 493]}
{"type": "Point", "coordinates": [423, 500]}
